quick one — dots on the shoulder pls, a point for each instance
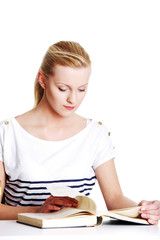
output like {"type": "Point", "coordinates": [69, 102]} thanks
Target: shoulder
{"type": "Point", "coordinates": [4, 123]}
{"type": "Point", "coordinates": [25, 117]}
{"type": "Point", "coordinates": [100, 127]}
{"type": "Point", "coordinates": [4, 127]}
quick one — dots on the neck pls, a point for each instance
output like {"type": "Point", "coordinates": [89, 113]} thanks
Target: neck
{"type": "Point", "coordinates": [47, 115]}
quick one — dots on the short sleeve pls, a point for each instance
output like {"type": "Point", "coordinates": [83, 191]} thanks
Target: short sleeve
{"type": "Point", "coordinates": [1, 142]}
{"type": "Point", "coordinates": [3, 126]}
{"type": "Point", "coordinates": [105, 149]}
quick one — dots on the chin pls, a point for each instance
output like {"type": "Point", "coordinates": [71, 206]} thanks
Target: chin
{"type": "Point", "coordinates": [66, 115]}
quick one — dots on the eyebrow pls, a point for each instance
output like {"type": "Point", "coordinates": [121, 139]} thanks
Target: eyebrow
{"type": "Point", "coordinates": [70, 86]}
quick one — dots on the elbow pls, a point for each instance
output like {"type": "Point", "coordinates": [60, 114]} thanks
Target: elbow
{"type": "Point", "coordinates": [114, 201]}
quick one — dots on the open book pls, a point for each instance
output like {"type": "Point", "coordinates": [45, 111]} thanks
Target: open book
{"type": "Point", "coordinates": [84, 215]}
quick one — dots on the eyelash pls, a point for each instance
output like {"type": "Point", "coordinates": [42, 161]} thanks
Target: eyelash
{"type": "Point", "coordinates": [82, 90]}
{"type": "Point", "coordinates": [64, 90]}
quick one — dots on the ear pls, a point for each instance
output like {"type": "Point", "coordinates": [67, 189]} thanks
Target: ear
{"type": "Point", "coordinates": [42, 80]}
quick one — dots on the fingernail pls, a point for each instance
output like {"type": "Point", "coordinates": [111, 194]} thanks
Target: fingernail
{"type": "Point", "coordinates": [143, 208]}
{"type": "Point", "coordinates": [150, 221]}
{"type": "Point", "coordinates": [56, 208]}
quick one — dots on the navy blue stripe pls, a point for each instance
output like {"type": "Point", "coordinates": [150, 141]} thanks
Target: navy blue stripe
{"type": "Point", "coordinates": [29, 188]}
{"type": "Point", "coordinates": [21, 204]}
{"type": "Point", "coordinates": [55, 181]}
{"type": "Point", "coordinates": [29, 194]}
{"type": "Point", "coordinates": [22, 198]}
{"type": "Point", "coordinates": [86, 189]}
{"type": "Point", "coordinates": [85, 184]}
{"type": "Point", "coordinates": [87, 194]}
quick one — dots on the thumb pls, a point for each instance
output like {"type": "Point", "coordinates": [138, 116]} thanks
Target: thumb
{"type": "Point", "coordinates": [145, 203]}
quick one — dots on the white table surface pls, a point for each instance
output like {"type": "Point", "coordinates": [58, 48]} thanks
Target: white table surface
{"type": "Point", "coordinates": [111, 229]}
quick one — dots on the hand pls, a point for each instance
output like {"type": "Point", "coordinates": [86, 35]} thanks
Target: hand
{"type": "Point", "coordinates": [150, 210]}
{"type": "Point", "coordinates": [56, 203]}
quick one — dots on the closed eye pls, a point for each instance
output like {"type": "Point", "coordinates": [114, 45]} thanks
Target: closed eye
{"type": "Point", "coordinates": [82, 90]}
{"type": "Point", "coordinates": [62, 89]}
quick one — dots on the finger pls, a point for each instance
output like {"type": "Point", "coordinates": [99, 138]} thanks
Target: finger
{"type": "Point", "coordinates": [69, 199]}
{"type": "Point", "coordinates": [155, 212]}
{"type": "Point", "coordinates": [50, 198]}
{"type": "Point", "coordinates": [50, 208]}
{"type": "Point", "coordinates": [74, 200]}
{"type": "Point", "coordinates": [153, 222]}
{"type": "Point", "coordinates": [150, 216]}
{"type": "Point", "coordinates": [65, 201]}
{"type": "Point", "coordinates": [61, 202]}
{"type": "Point", "coordinates": [145, 203]}
{"type": "Point", "coordinates": [152, 206]}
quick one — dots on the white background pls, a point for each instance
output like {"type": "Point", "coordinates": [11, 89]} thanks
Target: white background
{"type": "Point", "coordinates": [123, 40]}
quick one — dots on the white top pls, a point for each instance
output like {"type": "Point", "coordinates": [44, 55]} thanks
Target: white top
{"type": "Point", "coordinates": [31, 163]}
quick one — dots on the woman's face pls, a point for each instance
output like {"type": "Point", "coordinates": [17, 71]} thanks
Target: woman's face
{"type": "Point", "coordinates": [65, 90]}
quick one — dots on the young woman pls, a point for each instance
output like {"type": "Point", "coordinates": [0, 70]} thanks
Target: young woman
{"type": "Point", "coordinates": [51, 144]}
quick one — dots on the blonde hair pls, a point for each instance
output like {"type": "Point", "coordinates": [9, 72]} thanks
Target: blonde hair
{"type": "Point", "coordinates": [64, 53]}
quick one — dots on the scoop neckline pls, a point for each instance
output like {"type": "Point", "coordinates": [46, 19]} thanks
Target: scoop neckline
{"type": "Point", "coordinates": [13, 120]}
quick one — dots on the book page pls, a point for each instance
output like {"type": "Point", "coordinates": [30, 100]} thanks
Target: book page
{"type": "Point", "coordinates": [125, 214]}
{"type": "Point", "coordinates": [62, 191]}
{"type": "Point", "coordinates": [132, 212]}
{"type": "Point", "coordinates": [84, 203]}
{"type": "Point", "coordinates": [85, 206]}
{"type": "Point", "coordinates": [129, 212]}
{"type": "Point", "coordinates": [64, 212]}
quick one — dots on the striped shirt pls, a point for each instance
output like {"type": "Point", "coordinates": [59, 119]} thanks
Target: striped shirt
{"type": "Point", "coordinates": [27, 193]}
{"type": "Point", "coordinates": [32, 164]}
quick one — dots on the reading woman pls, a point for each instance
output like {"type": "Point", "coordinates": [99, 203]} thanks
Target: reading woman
{"type": "Point", "coordinates": [52, 145]}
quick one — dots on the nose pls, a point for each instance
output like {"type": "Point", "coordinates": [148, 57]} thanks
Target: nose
{"type": "Point", "coordinates": [71, 97]}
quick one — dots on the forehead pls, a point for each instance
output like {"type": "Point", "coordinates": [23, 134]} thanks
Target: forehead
{"type": "Point", "coordinates": [68, 75]}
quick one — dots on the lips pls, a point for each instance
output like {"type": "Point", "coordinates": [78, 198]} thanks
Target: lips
{"type": "Point", "coordinates": [69, 107]}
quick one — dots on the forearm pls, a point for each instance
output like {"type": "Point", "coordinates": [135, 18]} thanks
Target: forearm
{"type": "Point", "coordinates": [120, 201]}
{"type": "Point", "coordinates": [11, 213]}
{"type": "Point", "coordinates": [51, 204]}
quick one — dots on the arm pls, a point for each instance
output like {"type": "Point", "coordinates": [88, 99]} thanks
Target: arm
{"type": "Point", "coordinates": [9, 212]}
{"type": "Point", "coordinates": [114, 198]}
{"type": "Point", "coordinates": [110, 187]}
{"type": "Point", "coordinates": [51, 203]}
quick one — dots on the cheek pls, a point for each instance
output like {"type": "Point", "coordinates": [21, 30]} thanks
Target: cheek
{"type": "Point", "coordinates": [53, 94]}
{"type": "Point", "coordinates": [81, 97]}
